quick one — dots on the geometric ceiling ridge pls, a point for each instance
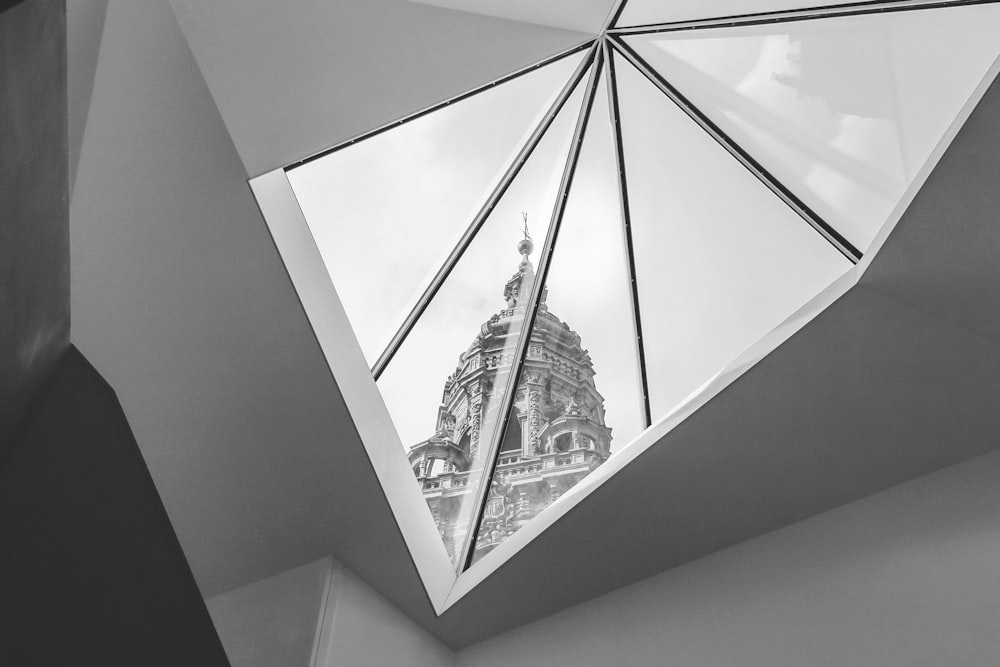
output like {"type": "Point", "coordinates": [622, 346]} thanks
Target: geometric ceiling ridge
{"type": "Point", "coordinates": [930, 314]}
{"type": "Point", "coordinates": [85, 28]}
{"type": "Point", "coordinates": [586, 18]}
{"type": "Point", "coordinates": [643, 12]}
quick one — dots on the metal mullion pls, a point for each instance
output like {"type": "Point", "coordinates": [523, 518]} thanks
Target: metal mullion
{"type": "Point", "coordinates": [507, 400]}
{"type": "Point", "coordinates": [470, 233]}
{"type": "Point", "coordinates": [615, 14]}
{"type": "Point", "coordinates": [834, 237]}
{"type": "Point", "coordinates": [368, 134]}
{"type": "Point", "coordinates": [613, 108]}
{"type": "Point", "coordinates": [789, 15]}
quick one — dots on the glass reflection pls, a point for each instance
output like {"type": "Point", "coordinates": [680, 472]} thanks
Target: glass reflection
{"type": "Point", "coordinates": [844, 111]}
{"type": "Point", "coordinates": [645, 12]}
{"type": "Point", "coordinates": [467, 338]}
{"type": "Point", "coordinates": [386, 211]}
{"type": "Point", "coordinates": [720, 261]}
{"type": "Point", "coordinates": [578, 397]}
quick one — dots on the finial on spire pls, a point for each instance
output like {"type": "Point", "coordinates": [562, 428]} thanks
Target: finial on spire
{"type": "Point", "coordinates": [525, 246]}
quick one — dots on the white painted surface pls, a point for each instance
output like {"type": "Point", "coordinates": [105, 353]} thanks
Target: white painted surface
{"type": "Point", "coordinates": [273, 621]}
{"type": "Point", "coordinates": [583, 15]}
{"type": "Point", "coordinates": [363, 629]}
{"type": "Point", "coordinates": [333, 332]}
{"type": "Point", "coordinates": [293, 78]}
{"type": "Point", "coordinates": [320, 615]}
{"type": "Point", "coordinates": [906, 577]}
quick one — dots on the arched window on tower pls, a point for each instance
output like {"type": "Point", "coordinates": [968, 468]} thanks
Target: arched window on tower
{"type": "Point", "coordinates": [512, 441]}
{"type": "Point", "coordinates": [563, 442]}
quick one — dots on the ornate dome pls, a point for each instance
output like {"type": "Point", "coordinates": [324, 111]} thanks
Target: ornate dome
{"type": "Point", "coordinates": [554, 435]}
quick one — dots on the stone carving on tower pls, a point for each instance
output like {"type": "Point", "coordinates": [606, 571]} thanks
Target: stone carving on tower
{"type": "Point", "coordinates": [556, 434]}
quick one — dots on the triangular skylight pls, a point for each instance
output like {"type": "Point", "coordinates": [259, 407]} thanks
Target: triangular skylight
{"type": "Point", "coordinates": [843, 110]}
{"type": "Point", "coordinates": [548, 273]}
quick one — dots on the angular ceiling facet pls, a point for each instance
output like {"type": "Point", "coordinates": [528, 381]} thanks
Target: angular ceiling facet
{"type": "Point", "coordinates": [445, 384]}
{"type": "Point", "coordinates": [368, 203]}
{"type": "Point", "coordinates": [843, 111]}
{"type": "Point", "coordinates": [646, 12]}
{"type": "Point", "coordinates": [720, 261]}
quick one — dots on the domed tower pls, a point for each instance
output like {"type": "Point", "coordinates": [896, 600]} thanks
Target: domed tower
{"type": "Point", "coordinates": [556, 434]}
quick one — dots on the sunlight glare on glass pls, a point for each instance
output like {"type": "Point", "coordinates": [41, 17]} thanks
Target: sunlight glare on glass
{"type": "Point", "coordinates": [720, 260]}
{"type": "Point", "coordinates": [644, 12]}
{"type": "Point", "coordinates": [843, 111]}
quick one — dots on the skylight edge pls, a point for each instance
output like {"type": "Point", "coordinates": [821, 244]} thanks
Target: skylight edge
{"type": "Point", "coordinates": [792, 15]}
{"type": "Point", "coordinates": [661, 427]}
{"type": "Point", "coordinates": [367, 134]}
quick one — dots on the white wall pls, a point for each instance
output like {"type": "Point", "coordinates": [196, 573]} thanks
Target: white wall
{"type": "Point", "coordinates": [910, 576]}
{"type": "Point", "coordinates": [363, 629]}
{"type": "Point", "coordinates": [273, 621]}
{"type": "Point", "coordinates": [292, 78]}
{"type": "Point", "coordinates": [319, 615]}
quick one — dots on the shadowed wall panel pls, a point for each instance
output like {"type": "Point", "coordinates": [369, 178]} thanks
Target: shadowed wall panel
{"type": "Point", "coordinates": [90, 569]}
{"type": "Point", "coordinates": [34, 208]}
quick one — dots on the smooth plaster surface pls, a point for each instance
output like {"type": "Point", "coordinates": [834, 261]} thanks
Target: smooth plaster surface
{"type": "Point", "coordinates": [943, 260]}
{"type": "Point", "coordinates": [363, 629]}
{"type": "Point", "coordinates": [587, 16]}
{"type": "Point", "coordinates": [181, 299]}
{"type": "Point", "coordinates": [34, 203]}
{"type": "Point", "coordinates": [908, 577]}
{"type": "Point", "coordinates": [273, 621]}
{"type": "Point", "coordinates": [320, 615]}
{"type": "Point", "coordinates": [85, 24]}
{"type": "Point", "coordinates": [91, 571]}
{"type": "Point", "coordinates": [292, 80]}
{"type": "Point", "coordinates": [870, 394]}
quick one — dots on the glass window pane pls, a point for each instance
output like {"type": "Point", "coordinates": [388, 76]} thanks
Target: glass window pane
{"type": "Point", "coordinates": [369, 203]}
{"type": "Point", "coordinates": [720, 261]}
{"type": "Point", "coordinates": [578, 397]}
{"type": "Point", "coordinates": [645, 12]}
{"type": "Point", "coordinates": [843, 111]}
{"type": "Point", "coordinates": [444, 386]}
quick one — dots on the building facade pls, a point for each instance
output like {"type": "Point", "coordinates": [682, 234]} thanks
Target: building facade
{"type": "Point", "coordinates": [555, 436]}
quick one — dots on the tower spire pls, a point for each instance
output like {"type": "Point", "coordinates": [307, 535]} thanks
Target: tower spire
{"type": "Point", "coordinates": [525, 246]}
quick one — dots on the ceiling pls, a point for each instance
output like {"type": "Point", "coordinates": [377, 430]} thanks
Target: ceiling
{"type": "Point", "coordinates": [582, 15]}
{"type": "Point", "coordinates": [181, 301]}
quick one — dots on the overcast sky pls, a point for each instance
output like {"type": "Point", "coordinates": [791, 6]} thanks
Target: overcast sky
{"type": "Point", "coordinates": [845, 111]}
